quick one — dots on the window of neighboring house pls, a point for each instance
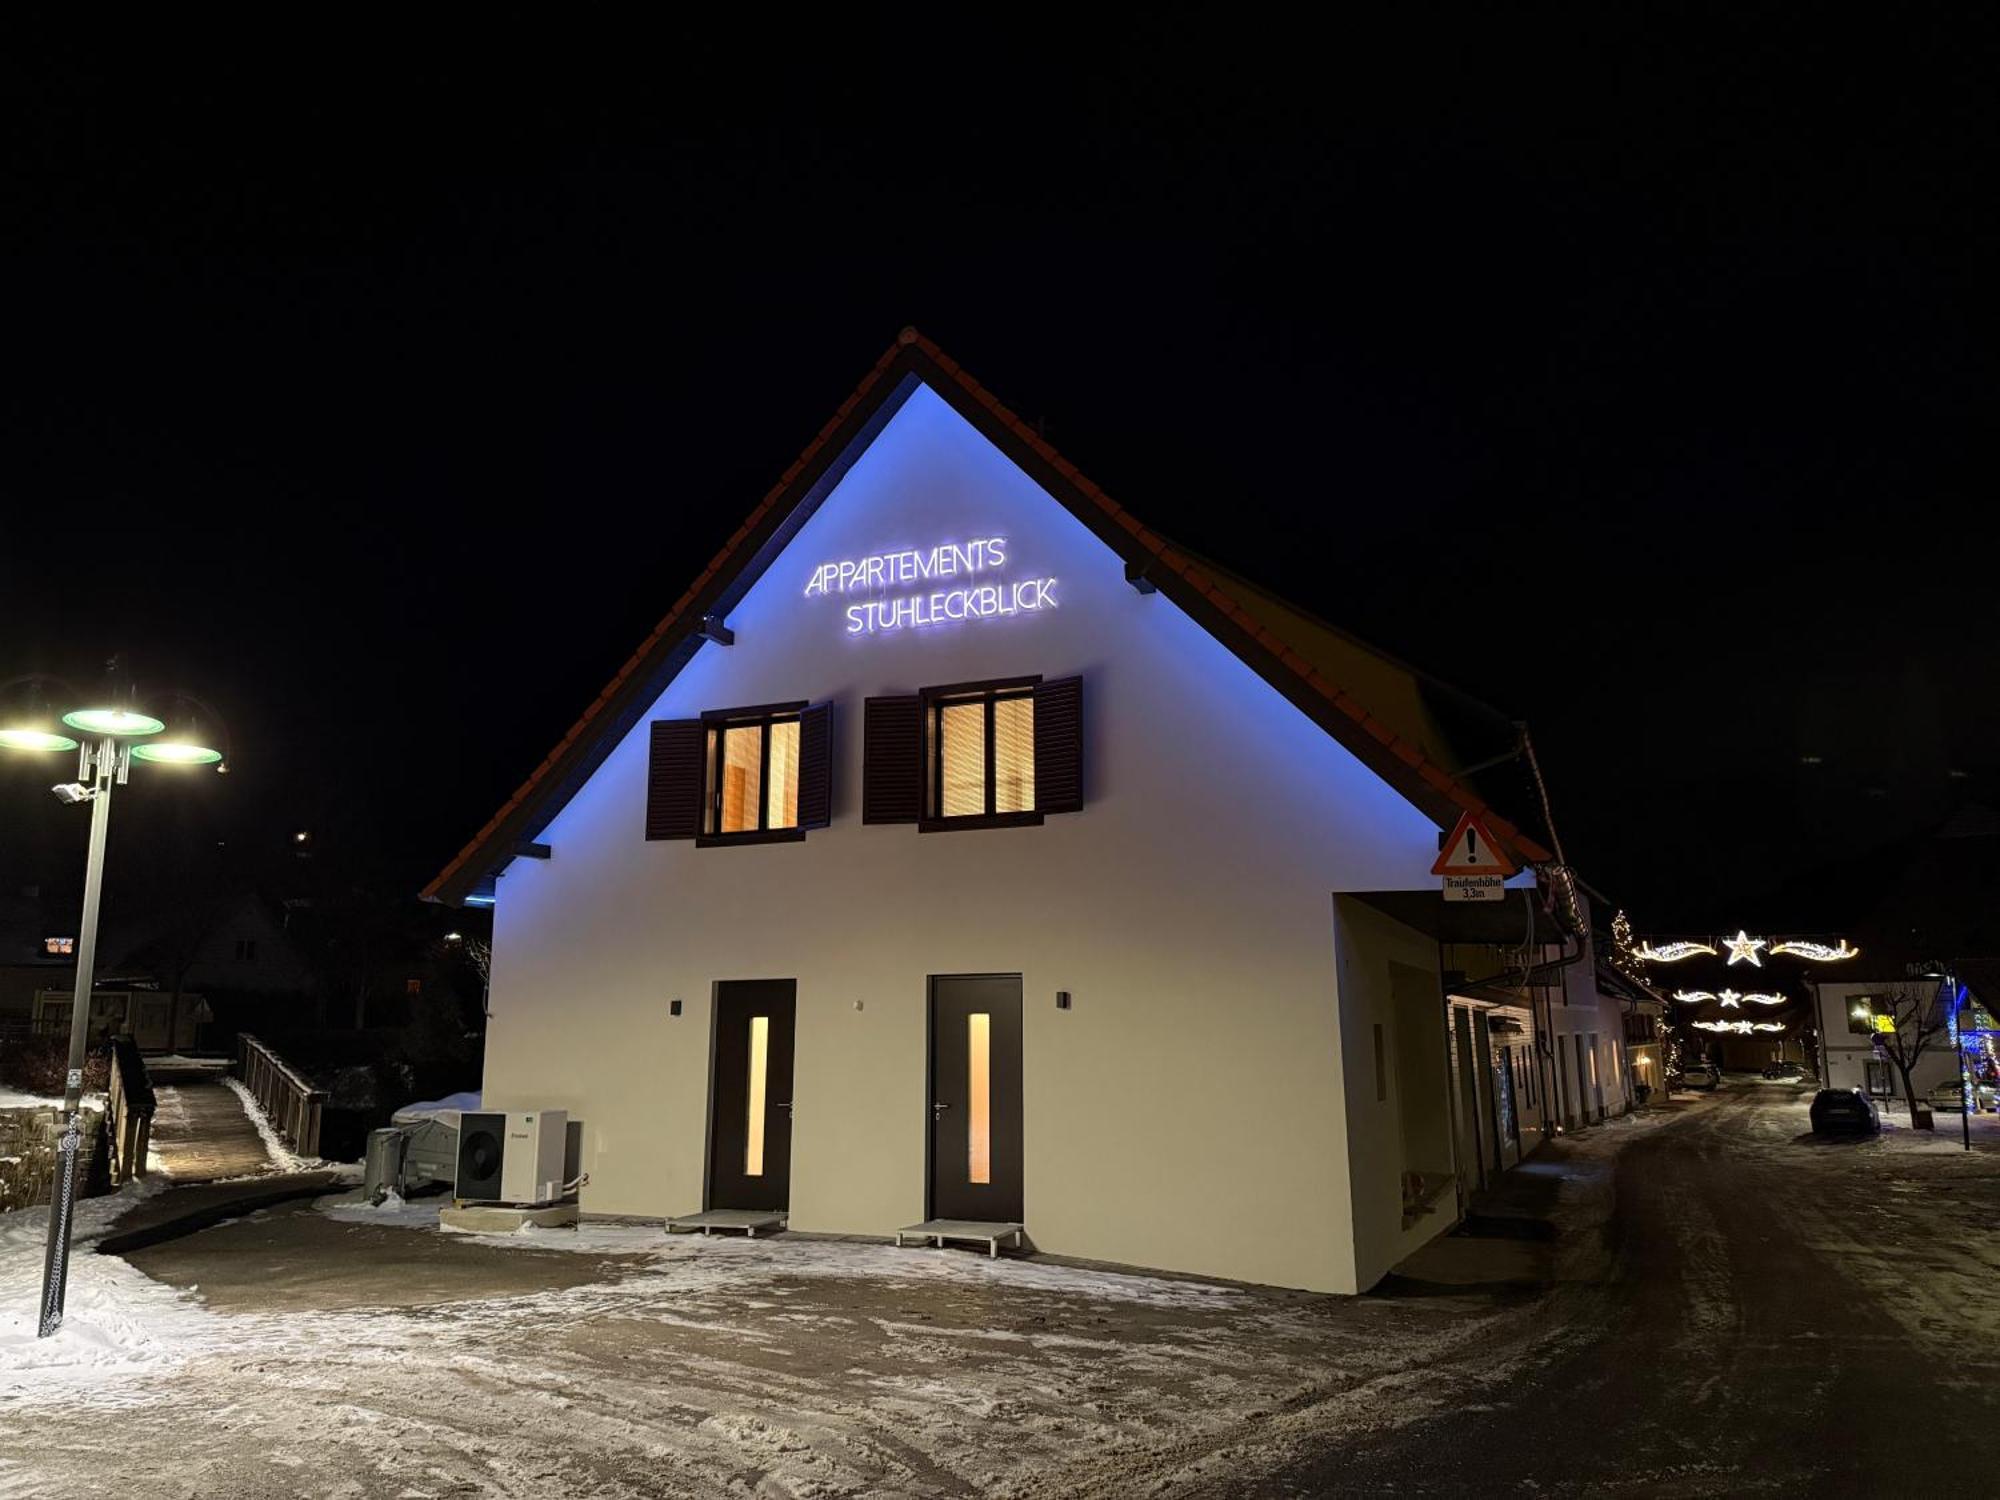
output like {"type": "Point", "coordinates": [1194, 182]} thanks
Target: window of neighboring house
{"type": "Point", "coordinates": [979, 747]}
{"type": "Point", "coordinates": [246, 949]}
{"type": "Point", "coordinates": [413, 986]}
{"type": "Point", "coordinates": [61, 947]}
{"type": "Point", "coordinates": [753, 775]}
{"type": "Point", "coordinates": [1861, 1013]}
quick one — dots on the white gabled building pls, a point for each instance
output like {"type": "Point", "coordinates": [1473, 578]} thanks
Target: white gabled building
{"type": "Point", "coordinates": [957, 849]}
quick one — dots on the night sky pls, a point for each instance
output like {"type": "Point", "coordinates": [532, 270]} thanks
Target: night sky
{"type": "Point", "coordinates": [1636, 374]}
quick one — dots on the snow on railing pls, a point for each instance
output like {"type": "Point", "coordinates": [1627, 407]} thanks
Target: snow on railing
{"type": "Point", "coordinates": [289, 1101]}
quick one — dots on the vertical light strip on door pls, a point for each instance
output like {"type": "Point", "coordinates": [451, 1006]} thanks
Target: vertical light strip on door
{"type": "Point", "coordinates": [760, 1045]}
{"type": "Point", "coordinates": [979, 1098]}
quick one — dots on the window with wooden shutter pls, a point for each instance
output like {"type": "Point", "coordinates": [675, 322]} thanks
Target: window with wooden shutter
{"type": "Point", "coordinates": [754, 769]}
{"type": "Point", "coordinates": [1000, 754]}
{"type": "Point", "coordinates": [816, 766]}
{"type": "Point", "coordinates": [675, 778]}
{"type": "Point", "coordinates": [892, 764]}
{"type": "Point", "coordinates": [1058, 767]}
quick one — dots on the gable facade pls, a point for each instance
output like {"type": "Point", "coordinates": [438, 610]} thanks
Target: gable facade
{"type": "Point", "coordinates": [1197, 1032]}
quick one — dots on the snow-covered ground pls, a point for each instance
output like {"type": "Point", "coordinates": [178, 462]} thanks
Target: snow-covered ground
{"type": "Point", "coordinates": [16, 1099]}
{"type": "Point", "coordinates": [119, 1324]}
{"type": "Point", "coordinates": [683, 1365]}
{"type": "Point", "coordinates": [282, 1156]}
{"type": "Point", "coordinates": [338, 1348]}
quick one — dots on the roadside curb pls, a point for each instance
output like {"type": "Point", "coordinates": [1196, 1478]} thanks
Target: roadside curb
{"type": "Point", "coordinates": [187, 1210]}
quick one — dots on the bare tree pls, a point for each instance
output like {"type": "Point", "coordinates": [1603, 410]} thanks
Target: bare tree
{"type": "Point", "coordinates": [1919, 1017]}
{"type": "Point", "coordinates": [480, 954]}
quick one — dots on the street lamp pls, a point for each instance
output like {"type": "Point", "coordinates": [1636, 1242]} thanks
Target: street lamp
{"type": "Point", "coordinates": [115, 729]}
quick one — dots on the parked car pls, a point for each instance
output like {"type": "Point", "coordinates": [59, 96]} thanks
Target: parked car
{"type": "Point", "coordinates": [1945, 1096]}
{"type": "Point", "coordinates": [1844, 1112]}
{"type": "Point", "coordinates": [1785, 1070]}
{"type": "Point", "coordinates": [1703, 1076]}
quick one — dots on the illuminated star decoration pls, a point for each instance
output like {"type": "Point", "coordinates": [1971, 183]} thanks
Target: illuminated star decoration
{"type": "Point", "coordinates": [1741, 1027]}
{"type": "Point", "coordinates": [1671, 953]}
{"type": "Point", "coordinates": [1743, 949]}
{"type": "Point", "coordinates": [1818, 952]}
{"type": "Point", "coordinates": [1729, 999]}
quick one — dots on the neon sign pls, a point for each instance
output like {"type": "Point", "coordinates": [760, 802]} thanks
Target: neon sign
{"type": "Point", "coordinates": [908, 611]}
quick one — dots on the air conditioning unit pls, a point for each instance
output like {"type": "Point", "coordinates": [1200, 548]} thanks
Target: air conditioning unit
{"type": "Point", "coordinates": [515, 1157]}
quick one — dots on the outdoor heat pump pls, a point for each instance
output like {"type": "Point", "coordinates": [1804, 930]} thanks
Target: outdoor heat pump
{"type": "Point", "coordinates": [515, 1157]}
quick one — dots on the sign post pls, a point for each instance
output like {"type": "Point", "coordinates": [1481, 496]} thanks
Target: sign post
{"type": "Point", "coordinates": [1472, 863]}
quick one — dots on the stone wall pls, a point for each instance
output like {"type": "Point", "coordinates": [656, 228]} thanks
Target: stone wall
{"type": "Point", "coordinates": [28, 1139]}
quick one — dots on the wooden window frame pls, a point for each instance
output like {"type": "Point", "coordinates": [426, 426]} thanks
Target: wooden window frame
{"type": "Point", "coordinates": [934, 700]}
{"type": "Point", "coordinates": [760, 717]}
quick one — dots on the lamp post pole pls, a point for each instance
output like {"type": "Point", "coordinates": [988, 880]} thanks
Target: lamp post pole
{"type": "Point", "coordinates": [1952, 998]}
{"type": "Point", "coordinates": [108, 758]}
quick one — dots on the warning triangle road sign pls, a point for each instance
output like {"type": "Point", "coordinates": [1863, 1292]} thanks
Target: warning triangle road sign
{"type": "Point", "coordinates": [1471, 850]}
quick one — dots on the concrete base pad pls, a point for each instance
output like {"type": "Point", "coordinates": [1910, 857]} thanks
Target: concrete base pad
{"type": "Point", "coordinates": [973, 1231]}
{"type": "Point", "coordinates": [749, 1220]}
{"type": "Point", "coordinates": [494, 1218]}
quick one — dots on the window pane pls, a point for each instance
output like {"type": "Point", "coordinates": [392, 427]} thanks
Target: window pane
{"type": "Point", "coordinates": [742, 749]}
{"type": "Point", "coordinates": [979, 1099]}
{"type": "Point", "coordinates": [783, 790]}
{"type": "Point", "coordinates": [760, 1046]}
{"type": "Point", "coordinates": [1014, 755]}
{"type": "Point", "coordinates": [708, 809]}
{"type": "Point", "coordinates": [963, 727]}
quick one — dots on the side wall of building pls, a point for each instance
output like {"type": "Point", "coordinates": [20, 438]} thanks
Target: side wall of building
{"type": "Point", "coordinates": [1395, 1062]}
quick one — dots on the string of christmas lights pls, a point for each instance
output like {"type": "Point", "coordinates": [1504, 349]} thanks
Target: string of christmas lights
{"type": "Point", "coordinates": [1817, 952]}
{"type": "Point", "coordinates": [1671, 953]}
{"type": "Point", "coordinates": [1728, 999]}
{"type": "Point", "coordinates": [1745, 949]}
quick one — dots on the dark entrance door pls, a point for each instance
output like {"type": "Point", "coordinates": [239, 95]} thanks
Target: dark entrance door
{"type": "Point", "coordinates": [750, 1131]}
{"type": "Point", "coordinates": [976, 1097]}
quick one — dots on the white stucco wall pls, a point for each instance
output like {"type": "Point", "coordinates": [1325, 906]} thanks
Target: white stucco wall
{"type": "Point", "coordinates": [1369, 944]}
{"type": "Point", "coordinates": [1847, 1052]}
{"type": "Point", "coordinates": [1186, 1113]}
{"type": "Point", "coordinates": [1585, 1010]}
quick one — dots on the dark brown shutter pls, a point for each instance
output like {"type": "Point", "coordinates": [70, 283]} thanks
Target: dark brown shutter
{"type": "Point", "coordinates": [816, 766]}
{"type": "Point", "coordinates": [675, 779]}
{"type": "Point", "coordinates": [892, 765]}
{"type": "Point", "coordinates": [1059, 745]}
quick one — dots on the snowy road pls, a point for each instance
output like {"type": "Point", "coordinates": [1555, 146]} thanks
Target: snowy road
{"type": "Point", "coordinates": [1731, 1309]}
{"type": "Point", "coordinates": [1767, 1313]}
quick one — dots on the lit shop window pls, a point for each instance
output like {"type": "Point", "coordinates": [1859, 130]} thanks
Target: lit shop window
{"type": "Point", "coordinates": [753, 775]}
{"type": "Point", "coordinates": [981, 754]}
{"type": "Point", "coordinates": [60, 947]}
{"type": "Point", "coordinates": [1867, 1014]}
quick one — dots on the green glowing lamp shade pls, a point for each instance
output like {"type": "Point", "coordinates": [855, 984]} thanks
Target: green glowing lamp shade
{"type": "Point", "coordinates": [176, 753]}
{"type": "Point", "coordinates": [113, 721]}
{"type": "Point", "coordinates": [34, 739]}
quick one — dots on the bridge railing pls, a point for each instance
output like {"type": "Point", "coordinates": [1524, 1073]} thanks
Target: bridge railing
{"type": "Point", "coordinates": [289, 1100]}
{"type": "Point", "coordinates": [128, 1116]}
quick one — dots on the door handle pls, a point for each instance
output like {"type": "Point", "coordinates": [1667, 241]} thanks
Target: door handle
{"type": "Point", "coordinates": [784, 1104]}
{"type": "Point", "coordinates": [937, 1111]}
